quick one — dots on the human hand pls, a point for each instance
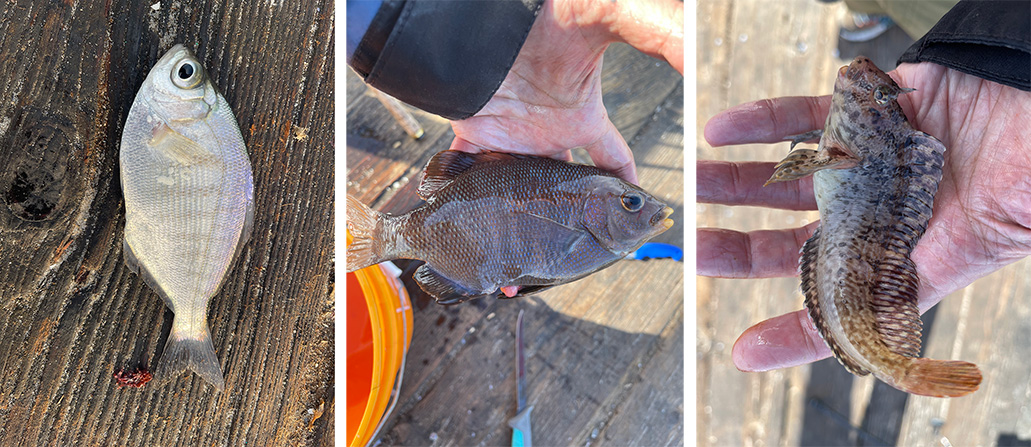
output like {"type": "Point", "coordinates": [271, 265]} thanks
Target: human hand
{"type": "Point", "coordinates": [982, 211]}
{"type": "Point", "coordinates": [551, 99]}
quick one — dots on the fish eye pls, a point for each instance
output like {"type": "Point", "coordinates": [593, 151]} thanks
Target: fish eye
{"type": "Point", "coordinates": [632, 202]}
{"type": "Point", "coordinates": [881, 95]}
{"type": "Point", "coordinates": [186, 74]}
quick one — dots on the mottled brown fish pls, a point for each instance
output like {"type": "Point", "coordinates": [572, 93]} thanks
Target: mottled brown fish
{"type": "Point", "coordinates": [495, 220]}
{"type": "Point", "coordinates": [875, 178]}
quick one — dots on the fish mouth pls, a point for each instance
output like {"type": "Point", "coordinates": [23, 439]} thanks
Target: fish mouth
{"type": "Point", "coordinates": [661, 218]}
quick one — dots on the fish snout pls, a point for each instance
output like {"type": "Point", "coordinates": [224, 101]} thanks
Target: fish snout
{"type": "Point", "coordinates": [661, 218]}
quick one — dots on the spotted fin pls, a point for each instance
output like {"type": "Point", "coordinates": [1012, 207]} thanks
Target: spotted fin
{"type": "Point", "coordinates": [807, 269]}
{"type": "Point", "coordinates": [445, 166]}
{"type": "Point", "coordinates": [804, 162]}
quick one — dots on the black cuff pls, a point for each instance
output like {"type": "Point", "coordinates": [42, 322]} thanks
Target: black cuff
{"type": "Point", "coordinates": [446, 57]}
{"type": "Point", "coordinates": [987, 39]}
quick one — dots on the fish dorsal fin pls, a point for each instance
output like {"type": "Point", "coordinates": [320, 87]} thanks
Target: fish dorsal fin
{"type": "Point", "coordinates": [894, 301]}
{"type": "Point", "coordinates": [896, 293]}
{"type": "Point", "coordinates": [445, 166]}
{"type": "Point", "coordinates": [807, 270]}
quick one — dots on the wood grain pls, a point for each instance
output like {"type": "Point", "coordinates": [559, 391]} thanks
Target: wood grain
{"type": "Point", "coordinates": [72, 314]}
{"type": "Point", "coordinates": [604, 354]}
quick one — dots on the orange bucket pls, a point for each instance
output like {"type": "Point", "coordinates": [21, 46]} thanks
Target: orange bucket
{"type": "Point", "coordinates": [379, 332]}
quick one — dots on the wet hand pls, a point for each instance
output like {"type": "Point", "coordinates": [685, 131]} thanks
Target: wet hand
{"type": "Point", "coordinates": [982, 212]}
{"type": "Point", "coordinates": [551, 100]}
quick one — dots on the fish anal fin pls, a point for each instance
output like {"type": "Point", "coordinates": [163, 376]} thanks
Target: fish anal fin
{"type": "Point", "coordinates": [940, 378]}
{"type": "Point", "coordinates": [442, 289]}
{"type": "Point", "coordinates": [807, 270]}
{"type": "Point", "coordinates": [136, 267]}
{"type": "Point", "coordinates": [445, 166]}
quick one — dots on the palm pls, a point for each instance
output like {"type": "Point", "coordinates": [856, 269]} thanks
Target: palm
{"type": "Point", "coordinates": [551, 100]}
{"type": "Point", "coordinates": [982, 212]}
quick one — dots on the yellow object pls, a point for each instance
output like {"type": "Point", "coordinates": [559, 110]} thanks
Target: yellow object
{"type": "Point", "coordinates": [381, 313]}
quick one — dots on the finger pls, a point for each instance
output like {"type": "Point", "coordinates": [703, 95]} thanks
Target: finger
{"type": "Point", "coordinates": [767, 120]}
{"type": "Point", "coordinates": [780, 342]}
{"type": "Point", "coordinates": [462, 145]}
{"type": "Point", "coordinates": [655, 28]}
{"type": "Point", "coordinates": [612, 154]}
{"type": "Point", "coordinates": [757, 254]}
{"type": "Point", "coordinates": [729, 183]}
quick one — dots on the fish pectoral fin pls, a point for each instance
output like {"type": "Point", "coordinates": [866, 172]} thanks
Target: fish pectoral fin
{"type": "Point", "coordinates": [136, 267]}
{"type": "Point", "coordinates": [561, 237]}
{"type": "Point", "coordinates": [803, 162]}
{"type": "Point", "coordinates": [447, 165]}
{"type": "Point", "coordinates": [443, 289]}
{"type": "Point", "coordinates": [174, 145]}
{"type": "Point", "coordinates": [809, 137]}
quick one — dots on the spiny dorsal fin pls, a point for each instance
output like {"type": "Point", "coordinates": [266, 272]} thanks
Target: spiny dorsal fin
{"type": "Point", "coordinates": [896, 293]}
{"type": "Point", "coordinates": [807, 270]}
{"type": "Point", "coordinates": [446, 165]}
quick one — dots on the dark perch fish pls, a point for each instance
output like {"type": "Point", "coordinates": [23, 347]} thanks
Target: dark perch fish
{"type": "Point", "coordinates": [496, 221]}
{"type": "Point", "coordinates": [875, 180]}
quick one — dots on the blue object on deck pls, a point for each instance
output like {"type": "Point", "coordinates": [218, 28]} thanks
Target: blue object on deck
{"type": "Point", "coordinates": [657, 250]}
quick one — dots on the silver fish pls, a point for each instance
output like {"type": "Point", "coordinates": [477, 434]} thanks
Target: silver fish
{"type": "Point", "coordinates": [189, 207]}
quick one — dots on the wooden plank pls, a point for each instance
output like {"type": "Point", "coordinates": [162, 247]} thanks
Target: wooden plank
{"type": "Point", "coordinates": [988, 324]}
{"type": "Point", "coordinates": [72, 314]}
{"type": "Point", "coordinates": [596, 362]}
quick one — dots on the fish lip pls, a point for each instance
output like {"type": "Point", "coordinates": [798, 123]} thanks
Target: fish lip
{"type": "Point", "coordinates": [660, 218]}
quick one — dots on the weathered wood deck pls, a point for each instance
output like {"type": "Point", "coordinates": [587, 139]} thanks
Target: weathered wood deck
{"type": "Point", "coordinates": [604, 354]}
{"type": "Point", "coordinates": [71, 313]}
{"type": "Point", "coordinates": [754, 49]}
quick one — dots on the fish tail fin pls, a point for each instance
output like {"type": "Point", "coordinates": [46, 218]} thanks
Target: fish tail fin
{"type": "Point", "coordinates": [940, 378]}
{"type": "Point", "coordinates": [191, 349]}
{"type": "Point", "coordinates": [361, 229]}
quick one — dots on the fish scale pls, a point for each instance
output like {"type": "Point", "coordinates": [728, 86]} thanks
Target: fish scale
{"type": "Point", "coordinates": [495, 220]}
{"type": "Point", "coordinates": [874, 179]}
{"type": "Point", "coordinates": [188, 190]}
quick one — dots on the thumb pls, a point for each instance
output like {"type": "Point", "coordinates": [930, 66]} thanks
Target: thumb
{"type": "Point", "coordinates": [611, 153]}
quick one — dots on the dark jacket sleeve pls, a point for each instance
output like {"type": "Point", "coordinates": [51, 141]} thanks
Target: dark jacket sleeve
{"type": "Point", "coordinates": [988, 39]}
{"type": "Point", "coordinates": [446, 57]}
